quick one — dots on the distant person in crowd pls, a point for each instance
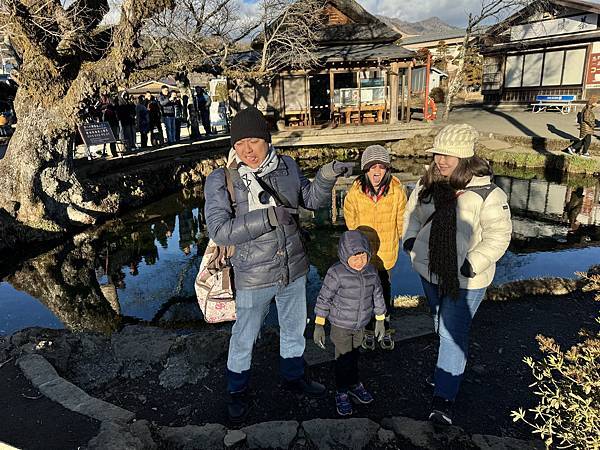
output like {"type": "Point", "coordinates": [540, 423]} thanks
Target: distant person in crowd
{"type": "Point", "coordinates": [202, 102]}
{"type": "Point", "coordinates": [350, 296]}
{"type": "Point", "coordinates": [587, 124]}
{"type": "Point", "coordinates": [193, 124]}
{"type": "Point", "coordinates": [457, 226]}
{"type": "Point", "coordinates": [108, 113]}
{"type": "Point", "coordinates": [178, 105]}
{"type": "Point", "coordinates": [166, 99]}
{"type": "Point", "coordinates": [126, 116]}
{"type": "Point", "coordinates": [270, 259]}
{"type": "Point", "coordinates": [142, 120]}
{"type": "Point", "coordinates": [156, 131]}
{"type": "Point", "coordinates": [573, 208]}
{"type": "Point", "coordinates": [375, 205]}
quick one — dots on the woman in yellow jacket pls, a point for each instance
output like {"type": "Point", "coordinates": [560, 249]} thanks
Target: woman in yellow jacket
{"type": "Point", "coordinates": [375, 205]}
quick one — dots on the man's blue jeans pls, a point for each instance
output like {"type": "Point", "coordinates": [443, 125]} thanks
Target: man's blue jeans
{"type": "Point", "coordinates": [170, 126]}
{"type": "Point", "coordinates": [452, 319]}
{"type": "Point", "coordinates": [252, 306]}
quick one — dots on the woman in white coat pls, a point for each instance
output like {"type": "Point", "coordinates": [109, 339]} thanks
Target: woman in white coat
{"type": "Point", "coordinates": [457, 225]}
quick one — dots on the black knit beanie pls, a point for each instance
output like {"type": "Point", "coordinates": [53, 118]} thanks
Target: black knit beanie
{"type": "Point", "coordinates": [249, 123]}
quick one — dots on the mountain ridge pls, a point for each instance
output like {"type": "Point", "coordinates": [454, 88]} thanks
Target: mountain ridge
{"type": "Point", "coordinates": [422, 27]}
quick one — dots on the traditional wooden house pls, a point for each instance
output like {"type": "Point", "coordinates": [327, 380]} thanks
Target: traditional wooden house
{"type": "Point", "coordinates": [362, 75]}
{"type": "Point", "coordinates": [552, 50]}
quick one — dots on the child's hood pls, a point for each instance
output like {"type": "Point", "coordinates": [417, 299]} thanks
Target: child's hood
{"type": "Point", "coordinates": [351, 243]}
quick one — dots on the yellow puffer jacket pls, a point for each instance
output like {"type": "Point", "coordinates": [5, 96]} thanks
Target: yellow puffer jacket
{"type": "Point", "coordinates": [381, 221]}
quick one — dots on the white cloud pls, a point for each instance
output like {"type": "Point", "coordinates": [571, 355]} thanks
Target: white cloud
{"type": "Point", "coordinates": [453, 12]}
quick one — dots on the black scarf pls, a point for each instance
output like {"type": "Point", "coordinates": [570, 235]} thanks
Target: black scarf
{"type": "Point", "coordinates": [442, 239]}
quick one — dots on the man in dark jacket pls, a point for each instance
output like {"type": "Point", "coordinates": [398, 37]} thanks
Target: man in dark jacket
{"type": "Point", "coordinates": [269, 260]}
{"type": "Point", "coordinates": [166, 99]}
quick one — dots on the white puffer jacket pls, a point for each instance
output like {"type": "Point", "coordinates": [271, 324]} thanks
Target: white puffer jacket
{"type": "Point", "coordinates": [483, 231]}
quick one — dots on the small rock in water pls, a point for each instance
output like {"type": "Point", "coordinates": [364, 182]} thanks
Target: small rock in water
{"type": "Point", "coordinates": [479, 369]}
{"type": "Point", "coordinates": [500, 350]}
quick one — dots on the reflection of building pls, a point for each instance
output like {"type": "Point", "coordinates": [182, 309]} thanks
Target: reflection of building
{"type": "Point", "coordinates": [542, 199]}
{"type": "Point", "coordinates": [361, 74]}
{"type": "Point", "coordinates": [552, 52]}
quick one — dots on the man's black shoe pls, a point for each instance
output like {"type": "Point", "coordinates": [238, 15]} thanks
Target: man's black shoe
{"type": "Point", "coordinates": [441, 411]}
{"type": "Point", "coordinates": [304, 386]}
{"type": "Point", "coordinates": [237, 407]}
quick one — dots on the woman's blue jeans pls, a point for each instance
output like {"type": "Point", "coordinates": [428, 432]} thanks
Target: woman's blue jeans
{"type": "Point", "coordinates": [252, 307]}
{"type": "Point", "coordinates": [452, 320]}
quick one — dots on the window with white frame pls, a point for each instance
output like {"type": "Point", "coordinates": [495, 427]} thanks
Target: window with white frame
{"type": "Point", "coordinates": [514, 71]}
{"type": "Point", "coordinates": [551, 68]}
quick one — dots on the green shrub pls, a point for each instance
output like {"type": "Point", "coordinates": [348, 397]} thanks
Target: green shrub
{"type": "Point", "coordinates": [568, 387]}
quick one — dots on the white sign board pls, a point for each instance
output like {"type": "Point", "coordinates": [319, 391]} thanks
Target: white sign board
{"type": "Point", "coordinates": [554, 27]}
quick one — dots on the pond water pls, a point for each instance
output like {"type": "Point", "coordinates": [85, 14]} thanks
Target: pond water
{"type": "Point", "coordinates": [142, 267]}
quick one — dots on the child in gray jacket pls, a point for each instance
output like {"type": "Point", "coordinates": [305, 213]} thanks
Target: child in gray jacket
{"type": "Point", "coordinates": [350, 294]}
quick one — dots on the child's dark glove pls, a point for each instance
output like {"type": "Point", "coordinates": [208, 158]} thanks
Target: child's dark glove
{"type": "Point", "coordinates": [319, 336]}
{"type": "Point", "coordinates": [379, 329]}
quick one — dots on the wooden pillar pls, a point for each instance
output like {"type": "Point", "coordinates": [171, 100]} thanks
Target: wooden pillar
{"type": "Point", "coordinates": [331, 89]}
{"type": "Point", "coordinates": [402, 94]}
{"type": "Point", "coordinates": [359, 96]}
{"type": "Point", "coordinates": [393, 75]}
{"type": "Point", "coordinates": [408, 92]}
{"type": "Point", "coordinates": [307, 89]}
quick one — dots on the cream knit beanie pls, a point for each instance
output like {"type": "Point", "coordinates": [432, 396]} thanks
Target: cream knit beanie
{"type": "Point", "coordinates": [455, 140]}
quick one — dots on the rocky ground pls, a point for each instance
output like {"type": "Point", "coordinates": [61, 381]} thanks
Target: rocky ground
{"type": "Point", "coordinates": [172, 383]}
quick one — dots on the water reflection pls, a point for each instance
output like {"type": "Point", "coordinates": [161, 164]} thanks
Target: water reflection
{"type": "Point", "coordinates": [142, 267]}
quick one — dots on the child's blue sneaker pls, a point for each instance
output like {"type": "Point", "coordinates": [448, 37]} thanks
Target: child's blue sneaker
{"type": "Point", "coordinates": [343, 404]}
{"type": "Point", "coordinates": [360, 394]}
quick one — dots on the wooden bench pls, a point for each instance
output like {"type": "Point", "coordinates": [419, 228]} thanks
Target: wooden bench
{"type": "Point", "coordinates": [562, 103]}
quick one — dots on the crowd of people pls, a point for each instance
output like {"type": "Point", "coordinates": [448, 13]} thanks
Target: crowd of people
{"type": "Point", "coordinates": [157, 118]}
{"type": "Point", "coordinates": [455, 226]}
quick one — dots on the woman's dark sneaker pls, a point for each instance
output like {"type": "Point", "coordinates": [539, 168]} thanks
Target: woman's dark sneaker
{"type": "Point", "coordinates": [343, 404]}
{"type": "Point", "coordinates": [237, 406]}
{"type": "Point", "coordinates": [387, 342]}
{"type": "Point", "coordinates": [441, 411]}
{"type": "Point", "coordinates": [360, 394]}
{"type": "Point", "coordinates": [304, 386]}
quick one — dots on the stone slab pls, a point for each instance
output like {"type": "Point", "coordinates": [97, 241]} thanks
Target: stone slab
{"type": "Point", "coordinates": [411, 326]}
{"type": "Point", "coordinates": [45, 378]}
{"type": "Point", "coordinates": [193, 437]}
{"type": "Point", "coordinates": [276, 434]}
{"type": "Point", "coordinates": [354, 433]}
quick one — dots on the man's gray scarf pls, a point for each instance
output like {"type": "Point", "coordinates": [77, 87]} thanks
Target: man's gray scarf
{"type": "Point", "coordinates": [250, 178]}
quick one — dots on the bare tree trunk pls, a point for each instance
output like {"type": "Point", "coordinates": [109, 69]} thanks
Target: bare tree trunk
{"type": "Point", "coordinates": [457, 81]}
{"type": "Point", "coordinates": [67, 59]}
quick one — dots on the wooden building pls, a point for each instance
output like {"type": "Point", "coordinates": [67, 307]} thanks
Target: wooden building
{"type": "Point", "coordinates": [363, 75]}
{"type": "Point", "coordinates": [554, 50]}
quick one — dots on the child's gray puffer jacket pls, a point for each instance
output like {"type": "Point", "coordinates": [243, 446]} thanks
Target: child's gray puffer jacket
{"type": "Point", "coordinates": [348, 297]}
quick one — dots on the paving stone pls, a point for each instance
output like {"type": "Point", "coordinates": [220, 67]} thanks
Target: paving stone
{"type": "Point", "coordinates": [193, 437]}
{"type": "Point", "coordinates": [276, 434]}
{"type": "Point", "coordinates": [139, 347]}
{"type": "Point", "coordinates": [141, 430]}
{"type": "Point", "coordinates": [422, 434]}
{"type": "Point", "coordinates": [385, 436]}
{"type": "Point", "coordinates": [115, 436]}
{"type": "Point", "coordinates": [411, 326]}
{"type": "Point", "coordinates": [43, 376]}
{"type": "Point", "coordinates": [234, 438]}
{"type": "Point", "coordinates": [486, 442]}
{"type": "Point", "coordinates": [354, 433]}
